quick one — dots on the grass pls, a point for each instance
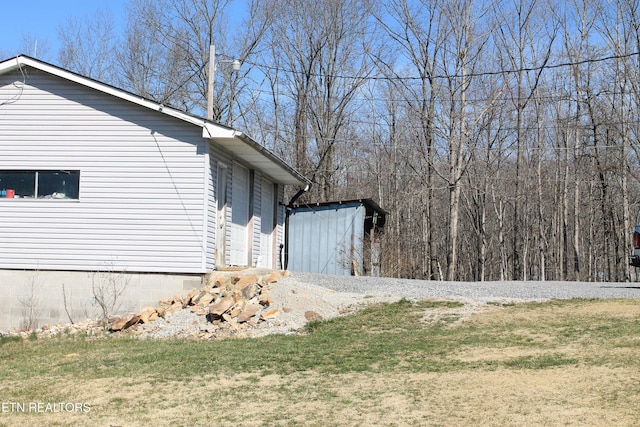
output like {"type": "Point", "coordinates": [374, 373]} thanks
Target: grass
{"type": "Point", "coordinates": [385, 354]}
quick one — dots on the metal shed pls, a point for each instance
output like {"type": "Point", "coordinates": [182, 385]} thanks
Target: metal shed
{"type": "Point", "coordinates": [341, 237]}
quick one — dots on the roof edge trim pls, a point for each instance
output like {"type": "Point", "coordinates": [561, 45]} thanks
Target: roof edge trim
{"type": "Point", "coordinates": [22, 60]}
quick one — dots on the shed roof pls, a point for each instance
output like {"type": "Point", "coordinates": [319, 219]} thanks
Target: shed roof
{"type": "Point", "coordinates": [368, 203]}
{"type": "Point", "coordinates": [235, 141]}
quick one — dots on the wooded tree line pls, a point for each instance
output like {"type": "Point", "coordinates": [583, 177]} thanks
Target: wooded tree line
{"type": "Point", "coordinates": [502, 137]}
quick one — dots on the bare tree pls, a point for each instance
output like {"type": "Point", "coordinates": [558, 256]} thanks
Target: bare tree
{"type": "Point", "coordinates": [525, 45]}
{"type": "Point", "coordinates": [88, 46]}
{"type": "Point", "coordinates": [417, 29]}
{"type": "Point", "coordinates": [324, 46]}
{"type": "Point", "coordinates": [625, 100]}
{"type": "Point", "coordinates": [465, 41]}
{"type": "Point", "coordinates": [499, 151]}
{"type": "Point", "coordinates": [167, 48]}
{"type": "Point", "coordinates": [577, 19]}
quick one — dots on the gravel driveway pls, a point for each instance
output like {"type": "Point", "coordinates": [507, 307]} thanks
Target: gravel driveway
{"type": "Point", "coordinates": [417, 289]}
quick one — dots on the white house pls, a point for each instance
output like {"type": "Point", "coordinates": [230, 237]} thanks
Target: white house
{"type": "Point", "coordinates": [96, 179]}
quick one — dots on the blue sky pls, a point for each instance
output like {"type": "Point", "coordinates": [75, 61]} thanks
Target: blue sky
{"type": "Point", "coordinates": [41, 19]}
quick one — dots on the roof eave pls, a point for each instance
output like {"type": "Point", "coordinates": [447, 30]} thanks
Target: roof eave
{"type": "Point", "coordinates": [251, 152]}
{"type": "Point", "coordinates": [17, 63]}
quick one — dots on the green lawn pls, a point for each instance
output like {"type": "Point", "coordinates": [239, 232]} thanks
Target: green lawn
{"type": "Point", "coordinates": [381, 366]}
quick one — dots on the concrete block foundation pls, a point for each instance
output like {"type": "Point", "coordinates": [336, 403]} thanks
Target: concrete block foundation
{"type": "Point", "coordinates": [37, 298]}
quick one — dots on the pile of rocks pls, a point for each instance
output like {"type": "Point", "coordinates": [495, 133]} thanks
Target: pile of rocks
{"type": "Point", "coordinates": [227, 302]}
{"type": "Point", "coordinates": [244, 303]}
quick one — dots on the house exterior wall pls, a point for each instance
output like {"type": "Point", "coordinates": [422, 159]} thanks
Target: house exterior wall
{"type": "Point", "coordinates": [247, 232]}
{"type": "Point", "coordinates": [219, 162]}
{"type": "Point", "coordinates": [326, 239]}
{"type": "Point", "coordinates": [142, 181]}
{"type": "Point", "coordinates": [147, 211]}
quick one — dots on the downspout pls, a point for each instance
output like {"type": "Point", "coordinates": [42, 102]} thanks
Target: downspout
{"type": "Point", "coordinates": [288, 209]}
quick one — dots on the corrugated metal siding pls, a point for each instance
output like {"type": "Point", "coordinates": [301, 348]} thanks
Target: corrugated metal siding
{"type": "Point", "coordinates": [142, 181]}
{"type": "Point", "coordinates": [325, 239]}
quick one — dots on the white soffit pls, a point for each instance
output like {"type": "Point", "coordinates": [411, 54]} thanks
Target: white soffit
{"type": "Point", "coordinates": [254, 154]}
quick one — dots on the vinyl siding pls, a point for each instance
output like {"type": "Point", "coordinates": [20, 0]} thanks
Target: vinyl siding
{"type": "Point", "coordinates": [216, 157]}
{"type": "Point", "coordinates": [143, 182]}
{"type": "Point", "coordinates": [211, 203]}
{"type": "Point", "coordinates": [239, 232]}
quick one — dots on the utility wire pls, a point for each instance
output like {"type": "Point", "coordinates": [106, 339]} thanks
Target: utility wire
{"type": "Point", "coordinates": [444, 76]}
{"type": "Point", "coordinates": [399, 78]}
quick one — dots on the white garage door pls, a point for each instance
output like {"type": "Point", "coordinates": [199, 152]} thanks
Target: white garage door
{"type": "Point", "coordinates": [239, 216]}
{"type": "Point", "coordinates": [267, 211]}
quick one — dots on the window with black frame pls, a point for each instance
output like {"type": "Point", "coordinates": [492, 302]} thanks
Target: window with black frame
{"type": "Point", "coordinates": [40, 184]}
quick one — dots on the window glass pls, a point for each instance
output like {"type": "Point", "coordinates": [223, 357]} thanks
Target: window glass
{"type": "Point", "coordinates": [22, 182]}
{"type": "Point", "coordinates": [58, 184]}
{"type": "Point", "coordinates": [40, 184]}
